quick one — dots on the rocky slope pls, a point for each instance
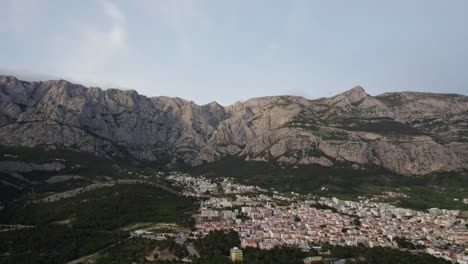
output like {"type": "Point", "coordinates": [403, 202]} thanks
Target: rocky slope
{"type": "Point", "coordinates": [407, 133]}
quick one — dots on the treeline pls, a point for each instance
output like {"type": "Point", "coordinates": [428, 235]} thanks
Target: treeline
{"type": "Point", "coordinates": [53, 244]}
{"type": "Point", "coordinates": [276, 255]}
{"type": "Point", "coordinates": [138, 250]}
{"type": "Point", "coordinates": [405, 243]}
{"type": "Point", "coordinates": [74, 227]}
{"type": "Point", "coordinates": [215, 248]}
{"type": "Point", "coordinates": [106, 208]}
{"type": "Point", "coordinates": [380, 255]}
{"type": "Point", "coordinates": [343, 181]}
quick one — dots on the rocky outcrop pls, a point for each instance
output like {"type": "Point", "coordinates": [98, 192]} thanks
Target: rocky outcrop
{"type": "Point", "coordinates": [20, 175]}
{"type": "Point", "coordinates": [407, 133]}
{"type": "Point", "coordinates": [18, 166]}
{"type": "Point", "coordinates": [63, 178]}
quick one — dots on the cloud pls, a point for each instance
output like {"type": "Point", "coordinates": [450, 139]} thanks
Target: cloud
{"type": "Point", "coordinates": [113, 11]}
{"type": "Point", "coordinates": [31, 76]}
{"type": "Point", "coordinates": [116, 35]}
{"type": "Point", "coordinates": [82, 54]}
{"type": "Point", "coordinates": [96, 43]}
{"type": "Point", "coordinates": [26, 75]}
{"type": "Point", "coordinates": [184, 21]}
{"type": "Point", "coordinates": [18, 15]}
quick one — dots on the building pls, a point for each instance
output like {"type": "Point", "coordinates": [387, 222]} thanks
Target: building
{"type": "Point", "coordinates": [210, 216]}
{"type": "Point", "coordinates": [310, 260]}
{"type": "Point", "coordinates": [248, 243]}
{"type": "Point", "coordinates": [236, 255]}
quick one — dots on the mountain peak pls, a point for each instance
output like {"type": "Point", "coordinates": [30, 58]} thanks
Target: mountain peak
{"type": "Point", "coordinates": [358, 87]}
{"type": "Point", "coordinates": [168, 131]}
{"type": "Point", "coordinates": [357, 93]}
{"type": "Point", "coordinates": [7, 78]}
{"type": "Point", "coordinates": [213, 104]}
{"type": "Point", "coordinates": [356, 90]}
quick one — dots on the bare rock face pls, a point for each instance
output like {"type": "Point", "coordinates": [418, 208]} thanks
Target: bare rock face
{"type": "Point", "coordinates": [407, 133]}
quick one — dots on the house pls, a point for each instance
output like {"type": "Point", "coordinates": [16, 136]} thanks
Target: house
{"type": "Point", "coordinates": [236, 254]}
{"type": "Point", "coordinates": [248, 243]}
{"type": "Point", "coordinates": [310, 260]}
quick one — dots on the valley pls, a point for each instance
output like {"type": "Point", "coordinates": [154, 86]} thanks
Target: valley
{"type": "Point", "coordinates": [109, 176]}
{"type": "Point", "coordinates": [95, 218]}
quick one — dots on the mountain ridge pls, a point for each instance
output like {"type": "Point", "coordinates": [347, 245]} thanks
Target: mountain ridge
{"type": "Point", "coordinates": [404, 132]}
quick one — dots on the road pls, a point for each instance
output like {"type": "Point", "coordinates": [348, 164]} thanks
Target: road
{"type": "Point", "coordinates": [181, 238]}
{"type": "Point", "coordinates": [82, 259]}
{"type": "Point", "coordinates": [191, 250]}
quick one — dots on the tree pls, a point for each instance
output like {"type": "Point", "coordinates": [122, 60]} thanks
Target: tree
{"type": "Point", "coordinates": [357, 222]}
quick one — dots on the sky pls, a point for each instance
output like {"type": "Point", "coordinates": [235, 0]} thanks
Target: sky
{"type": "Point", "coordinates": [226, 51]}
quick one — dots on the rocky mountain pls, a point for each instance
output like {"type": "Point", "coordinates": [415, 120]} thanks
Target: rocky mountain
{"type": "Point", "coordinates": [407, 133]}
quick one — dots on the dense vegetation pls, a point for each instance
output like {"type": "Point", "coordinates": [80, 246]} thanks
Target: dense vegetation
{"type": "Point", "coordinates": [106, 208]}
{"type": "Point", "coordinates": [402, 242]}
{"type": "Point", "coordinates": [78, 163]}
{"type": "Point", "coordinates": [381, 255]}
{"type": "Point", "coordinates": [86, 223]}
{"type": "Point", "coordinates": [301, 179]}
{"type": "Point", "coordinates": [53, 243]}
{"type": "Point", "coordinates": [276, 255]}
{"type": "Point", "coordinates": [138, 250]}
{"type": "Point", "coordinates": [87, 165]}
{"type": "Point", "coordinates": [214, 248]}
{"type": "Point", "coordinates": [91, 221]}
{"type": "Point", "coordinates": [437, 190]}
{"type": "Point", "coordinates": [90, 165]}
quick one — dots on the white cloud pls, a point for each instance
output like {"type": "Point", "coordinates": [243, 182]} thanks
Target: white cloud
{"type": "Point", "coordinates": [26, 75]}
{"type": "Point", "coordinates": [96, 43]}
{"type": "Point", "coordinates": [113, 11]}
{"type": "Point", "coordinates": [82, 53]}
{"type": "Point", "coordinates": [116, 35]}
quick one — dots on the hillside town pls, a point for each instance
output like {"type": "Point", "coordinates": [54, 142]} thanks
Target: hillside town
{"type": "Point", "coordinates": [264, 219]}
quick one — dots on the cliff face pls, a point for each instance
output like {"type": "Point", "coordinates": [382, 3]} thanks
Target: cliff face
{"type": "Point", "coordinates": [407, 133]}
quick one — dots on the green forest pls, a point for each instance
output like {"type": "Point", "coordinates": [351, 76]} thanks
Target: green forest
{"type": "Point", "coordinates": [83, 224]}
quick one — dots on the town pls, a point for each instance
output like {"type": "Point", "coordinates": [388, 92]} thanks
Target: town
{"type": "Point", "coordinates": [264, 219]}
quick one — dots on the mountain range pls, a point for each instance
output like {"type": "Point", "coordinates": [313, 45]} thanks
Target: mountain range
{"type": "Point", "coordinates": [408, 133]}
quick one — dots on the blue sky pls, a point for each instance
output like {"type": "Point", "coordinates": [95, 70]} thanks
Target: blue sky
{"type": "Point", "coordinates": [226, 51]}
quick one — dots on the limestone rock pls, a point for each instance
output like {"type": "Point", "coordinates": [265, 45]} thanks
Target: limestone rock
{"type": "Point", "coordinates": [407, 133]}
